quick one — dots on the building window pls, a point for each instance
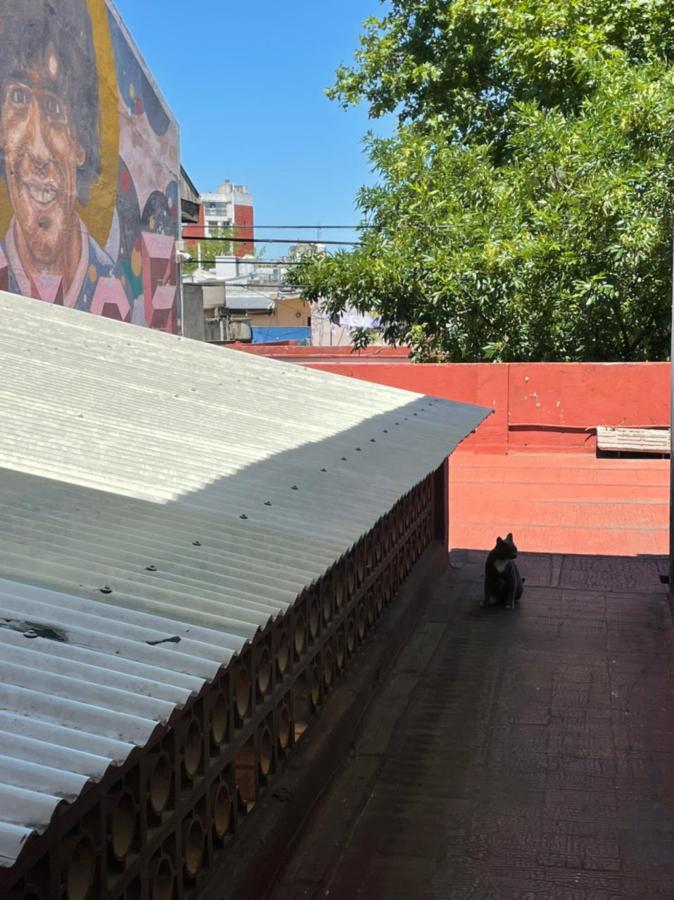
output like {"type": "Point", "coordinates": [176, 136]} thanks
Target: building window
{"type": "Point", "coordinates": [215, 209]}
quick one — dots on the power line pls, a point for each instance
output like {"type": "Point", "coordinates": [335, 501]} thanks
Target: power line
{"type": "Point", "coordinates": [284, 227]}
{"type": "Point", "coordinates": [235, 281]}
{"type": "Point", "coordinates": [301, 227]}
{"type": "Point", "coordinates": [254, 226]}
{"type": "Point", "coordinates": [280, 263]}
{"type": "Point", "coordinates": [253, 240]}
{"type": "Point", "coordinates": [259, 288]}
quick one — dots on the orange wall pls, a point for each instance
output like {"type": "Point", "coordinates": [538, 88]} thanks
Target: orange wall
{"type": "Point", "coordinates": [283, 316]}
{"type": "Point", "coordinates": [537, 405]}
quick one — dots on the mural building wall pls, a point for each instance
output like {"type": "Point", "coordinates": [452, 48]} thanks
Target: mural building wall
{"type": "Point", "coordinates": [89, 165]}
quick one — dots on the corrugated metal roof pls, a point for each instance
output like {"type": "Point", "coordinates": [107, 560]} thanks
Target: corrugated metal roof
{"type": "Point", "coordinates": [156, 488]}
{"type": "Point", "coordinates": [242, 298]}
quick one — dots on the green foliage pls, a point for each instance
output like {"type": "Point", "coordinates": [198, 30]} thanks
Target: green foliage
{"type": "Point", "coordinates": [361, 337]}
{"type": "Point", "coordinates": [523, 210]}
{"type": "Point", "coordinates": [469, 62]}
{"type": "Point", "coordinates": [210, 250]}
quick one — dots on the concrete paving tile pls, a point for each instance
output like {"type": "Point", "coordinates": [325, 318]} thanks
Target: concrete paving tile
{"type": "Point", "coordinates": [295, 891]}
{"type": "Point", "coordinates": [530, 756]}
{"type": "Point", "coordinates": [586, 774]}
{"type": "Point", "coordinates": [550, 883]}
{"type": "Point", "coordinates": [612, 574]}
{"type": "Point", "coordinates": [574, 803]}
{"type": "Point", "coordinates": [383, 878]}
{"type": "Point", "coordinates": [569, 878]}
{"type": "Point", "coordinates": [650, 883]}
{"type": "Point", "coordinates": [537, 568]}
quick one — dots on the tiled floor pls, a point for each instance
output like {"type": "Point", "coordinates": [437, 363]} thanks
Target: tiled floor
{"type": "Point", "coordinates": [560, 502]}
{"type": "Point", "coordinates": [512, 756]}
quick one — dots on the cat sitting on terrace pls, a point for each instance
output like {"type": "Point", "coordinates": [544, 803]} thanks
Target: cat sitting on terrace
{"type": "Point", "coordinates": [502, 580]}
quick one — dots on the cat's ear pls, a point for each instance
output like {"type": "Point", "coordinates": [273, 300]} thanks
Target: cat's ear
{"type": "Point", "coordinates": [499, 541]}
{"type": "Point", "coordinates": [509, 537]}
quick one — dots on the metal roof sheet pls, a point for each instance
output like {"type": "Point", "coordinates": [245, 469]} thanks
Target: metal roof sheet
{"type": "Point", "coordinates": [242, 298]}
{"type": "Point", "coordinates": [160, 501]}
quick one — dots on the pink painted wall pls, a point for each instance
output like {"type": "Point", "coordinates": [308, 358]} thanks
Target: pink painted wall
{"type": "Point", "coordinates": [537, 405]}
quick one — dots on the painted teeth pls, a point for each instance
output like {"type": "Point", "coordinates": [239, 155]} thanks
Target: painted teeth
{"type": "Point", "coordinates": [42, 195]}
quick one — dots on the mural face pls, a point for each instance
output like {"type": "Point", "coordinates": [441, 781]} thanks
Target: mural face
{"type": "Point", "coordinates": [89, 209]}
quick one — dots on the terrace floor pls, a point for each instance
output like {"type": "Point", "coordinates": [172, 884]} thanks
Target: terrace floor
{"type": "Point", "coordinates": [560, 502]}
{"type": "Point", "coordinates": [512, 756]}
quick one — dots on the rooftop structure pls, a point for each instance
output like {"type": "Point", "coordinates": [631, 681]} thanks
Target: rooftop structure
{"type": "Point", "coordinates": [527, 753]}
{"type": "Point", "coordinates": [189, 199]}
{"type": "Point", "coordinates": [230, 211]}
{"type": "Point", "coordinates": [237, 287]}
{"type": "Point", "coordinates": [537, 459]}
{"type": "Point", "coordinates": [193, 543]}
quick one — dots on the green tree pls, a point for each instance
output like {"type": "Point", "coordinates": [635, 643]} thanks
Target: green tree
{"type": "Point", "coordinates": [219, 244]}
{"type": "Point", "coordinates": [523, 209]}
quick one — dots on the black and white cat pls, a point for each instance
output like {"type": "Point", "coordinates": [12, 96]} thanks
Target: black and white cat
{"type": "Point", "coordinates": [502, 580]}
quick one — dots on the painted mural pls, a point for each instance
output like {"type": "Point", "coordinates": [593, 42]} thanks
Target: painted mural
{"type": "Point", "coordinates": [89, 165]}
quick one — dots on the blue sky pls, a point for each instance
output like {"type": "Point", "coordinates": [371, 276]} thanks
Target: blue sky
{"type": "Point", "coordinates": [251, 102]}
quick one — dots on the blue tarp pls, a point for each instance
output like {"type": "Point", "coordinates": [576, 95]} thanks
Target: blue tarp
{"type": "Point", "coordinates": [272, 334]}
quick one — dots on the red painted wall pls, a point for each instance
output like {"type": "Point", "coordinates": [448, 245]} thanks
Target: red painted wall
{"type": "Point", "coordinates": [292, 352]}
{"type": "Point", "coordinates": [244, 224]}
{"type": "Point", "coordinates": [244, 227]}
{"type": "Point", "coordinates": [194, 232]}
{"type": "Point", "coordinates": [537, 405]}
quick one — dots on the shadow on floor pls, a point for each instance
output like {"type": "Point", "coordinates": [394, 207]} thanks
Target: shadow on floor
{"type": "Point", "coordinates": [523, 755]}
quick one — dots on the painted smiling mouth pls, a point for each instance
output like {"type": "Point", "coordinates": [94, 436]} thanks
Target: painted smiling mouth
{"type": "Point", "coordinates": [44, 194]}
